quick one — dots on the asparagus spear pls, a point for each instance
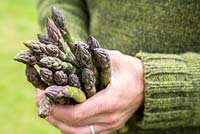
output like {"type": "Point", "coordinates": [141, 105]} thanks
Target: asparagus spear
{"type": "Point", "coordinates": [93, 43]}
{"type": "Point", "coordinates": [83, 56]}
{"type": "Point", "coordinates": [54, 33]}
{"type": "Point", "coordinates": [26, 57]}
{"type": "Point", "coordinates": [34, 78]}
{"type": "Point", "coordinates": [101, 57]}
{"type": "Point", "coordinates": [73, 80]}
{"type": "Point", "coordinates": [56, 37]}
{"type": "Point", "coordinates": [60, 21]}
{"type": "Point", "coordinates": [49, 50]}
{"type": "Point", "coordinates": [84, 45]}
{"type": "Point", "coordinates": [45, 107]}
{"type": "Point", "coordinates": [58, 18]}
{"type": "Point", "coordinates": [43, 39]}
{"type": "Point", "coordinates": [61, 78]}
{"type": "Point", "coordinates": [105, 77]}
{"type": "Point", "coordinates": [88, 80]}
{"type": "Point", "coordinates": [56, 64]}
{"type": "Point", "coordinates": [35, 46]}
{"type": "Point", "coordinates": [39, 56]}
{"type": "Point", "coordinates": [55, 92]}
{"type": "Point", "coordinates": [102, 61]}
{"type": "Point", "coordinates": [54, 51]}
{"type": "Point", "coordinates": [47, 76]}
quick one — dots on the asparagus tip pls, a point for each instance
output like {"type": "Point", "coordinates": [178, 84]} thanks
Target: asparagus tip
{"type": "Point", "coordinates": [15, 58]}
{"type": "Point", "coordinates": [53, 8]}
{"type": "Point", "coordinates": [26, 43]}
{"type": "Point", "coordinates": [48, 19]}
{"type": "Point", "coordinates": [19, 57]}
{"type": "Point", "coordinates": [39, 36]}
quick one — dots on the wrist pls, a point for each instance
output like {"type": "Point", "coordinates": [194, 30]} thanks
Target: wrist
{"type": "Point", "coordinates": [137, 65]}
{"type": "Point", "coordinates": [137, 69]}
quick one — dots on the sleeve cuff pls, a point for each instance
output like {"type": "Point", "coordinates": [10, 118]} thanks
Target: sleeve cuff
{"type": "Point", "coordinates": [172, 90]}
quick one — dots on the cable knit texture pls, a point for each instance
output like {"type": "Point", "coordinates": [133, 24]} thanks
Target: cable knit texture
{"type": "Point", "coordinates": [164, 31]}
{"type": "Point", "coordinates": [172, 94]}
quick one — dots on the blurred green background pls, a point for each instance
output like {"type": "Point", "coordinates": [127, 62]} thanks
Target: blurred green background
{"type": "Point", "coordinates": [18, 113]}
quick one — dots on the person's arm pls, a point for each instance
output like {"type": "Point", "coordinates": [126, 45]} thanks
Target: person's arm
{"type": "Point", "coordinates": [172, 90]}
{"type": "Point", "coordinates": [75, 12]}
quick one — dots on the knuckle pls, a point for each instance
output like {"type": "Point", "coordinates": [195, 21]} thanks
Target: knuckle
{"type": "Point", "coordinates": [74, 117]}
{"type": "Point", "coordinates": [114, 53]}
{"type": "Point", "coordinates": [116, 126]}
{"type": "Point", "coordinates": [113, 119]}
{"type": "Point", "coordinates": [117, 52]}
{"type": "Point", "coordinates": [119, 126]}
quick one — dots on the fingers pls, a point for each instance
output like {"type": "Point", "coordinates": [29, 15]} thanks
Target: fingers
{"type": "Point", "coordinates": [39, 96]}
{"type": "Point", "coordinates": [111, 120]}
{"type": "Point", "coordinates": [107, 118]}
{"type": "Point", "coordinates": [98, 119]}
{"type": "Point", "coordinates": [79, 112]}
{"type": "Point", "coordinates": [66, 129]}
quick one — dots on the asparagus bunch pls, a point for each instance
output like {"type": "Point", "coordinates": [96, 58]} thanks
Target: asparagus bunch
{"type": "Point", "coordinates": [62, 62]}
{"type": "Point", "coordinates": [70, 71]}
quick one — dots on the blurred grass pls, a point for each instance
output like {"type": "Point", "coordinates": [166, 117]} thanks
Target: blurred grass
{"type": "Point", "coordinates": [18, 113]}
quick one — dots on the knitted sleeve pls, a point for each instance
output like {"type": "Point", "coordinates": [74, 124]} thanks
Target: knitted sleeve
{"type": "Point", "coordinates": [75, 12]}
{"type": "Point", "coordinates": [172, 90]}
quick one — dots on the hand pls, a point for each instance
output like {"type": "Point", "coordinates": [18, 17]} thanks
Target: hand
{"type": "Point", "coordinates": [110, 108]}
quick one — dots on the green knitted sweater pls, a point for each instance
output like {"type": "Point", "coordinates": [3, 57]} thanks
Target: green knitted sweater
{"type": "Point", "coordinates": [165, 35]}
